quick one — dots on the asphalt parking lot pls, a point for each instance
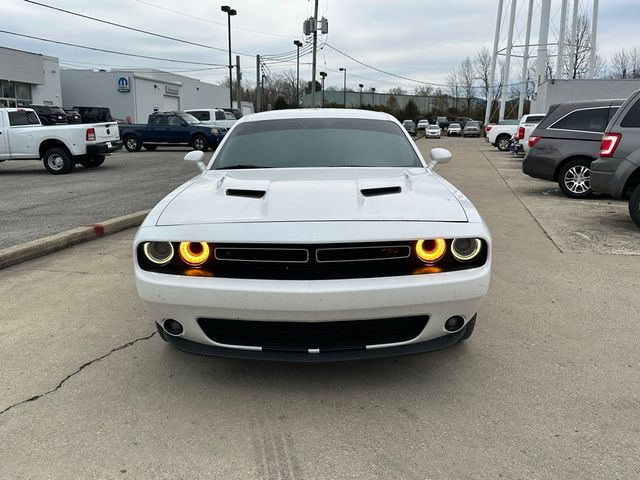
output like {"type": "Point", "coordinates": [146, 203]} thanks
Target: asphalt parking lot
{"type": "Point", "coordinates": [547, 388]}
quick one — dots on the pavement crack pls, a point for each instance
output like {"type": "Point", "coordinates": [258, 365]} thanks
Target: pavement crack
{"type": "Point", "coordinates": [77, 371]}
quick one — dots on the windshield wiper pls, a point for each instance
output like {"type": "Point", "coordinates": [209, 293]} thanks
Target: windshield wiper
{"type": "Point", "coordinates": [240, 167]}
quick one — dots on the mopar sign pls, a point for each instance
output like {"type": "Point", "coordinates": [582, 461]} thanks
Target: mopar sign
{"type": "Point", "coordinates": [123, 84]}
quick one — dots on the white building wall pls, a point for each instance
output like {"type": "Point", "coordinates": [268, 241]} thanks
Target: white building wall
{"type": "Point", "coordinates": [49, 92]}
{"type": "Point", "coordinates": [558, 91]}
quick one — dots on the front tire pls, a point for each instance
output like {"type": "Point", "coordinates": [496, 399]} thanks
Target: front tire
{"type": "Point", "coordinates": [132, 144]}
{"type": "Point", "coordinates": [58, 161]}
{"type": "Point", "coordinates": [199, 142]}
{"type": "Point", "coordinates": [574, 178]}
{"type": "Point", "coordinates": [634, 206]}
{"type": "Point", "coordinates": [92, 162]}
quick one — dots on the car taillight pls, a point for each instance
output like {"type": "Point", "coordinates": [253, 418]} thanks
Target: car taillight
{"type": "Point", "coordinates": [532, 141]}
{"type": "Point", "coordinates": [487, 128]}
{"type": "Point", "coordinates": [91, 135]}
{"type": "Point", "coordinates": [609, 144]}
{"type": "Point", "coordinates": [521, 133]}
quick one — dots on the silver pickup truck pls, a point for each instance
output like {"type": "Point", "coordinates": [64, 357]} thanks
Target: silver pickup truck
{"type": "Point", "coordinates": [60, 147]}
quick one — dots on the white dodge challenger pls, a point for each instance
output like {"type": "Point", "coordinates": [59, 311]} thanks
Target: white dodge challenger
{"type": "Point", "coordinates": [310, 236]}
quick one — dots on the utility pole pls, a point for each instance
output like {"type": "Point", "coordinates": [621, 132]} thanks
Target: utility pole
{"type": "Point", "coordinates": [230, 12]}
{"type": "Point", "coordinates": [492, 73]}
{"type": "Point", "coordinates": [238, 84]}
{"type": "Point", "coordinates": [525, 62]}
{"type": "Point", "coordinates": [258, 93]}
{"type": "Point", "coordinates": [507, 62]}
{"type": "Point", "coordinates": [361, 87]}
{"type": "Point", "coordinates": [313, 64]}
{"type": "Point", "coordinates": [344, 88]}
{"type": "Point", "coordinates": [373, 98]}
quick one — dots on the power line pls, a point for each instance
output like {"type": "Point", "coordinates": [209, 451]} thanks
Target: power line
{"type": "Point", "coordinates": [146, 32]}
{"type": "Point", "coordinates": [115, 52]}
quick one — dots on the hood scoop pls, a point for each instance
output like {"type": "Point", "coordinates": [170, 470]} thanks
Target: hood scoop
{"type": "Point", "coordinates": [239, 192]}
{"type": "Point", "coordinates": [376, 192]}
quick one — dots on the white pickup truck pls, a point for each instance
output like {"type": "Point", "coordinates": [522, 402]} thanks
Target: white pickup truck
{"type": "Point", "coordinates": [214, 117]}
{"type": "Point", "coordinates": [500, 134]}
{"type": "Point", "coordinates": [528, 124]}
{"type": "Point", "coordinates": [60, 147]}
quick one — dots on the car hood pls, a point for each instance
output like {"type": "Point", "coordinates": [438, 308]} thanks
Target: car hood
{"type": "Point", "coordinates": [299, 195]}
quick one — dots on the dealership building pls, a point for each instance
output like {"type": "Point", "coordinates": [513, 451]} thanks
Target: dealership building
{"type": "Point", "coordinates": [27, 78]}
{"type": "Point", "coordinates": [133, 94]}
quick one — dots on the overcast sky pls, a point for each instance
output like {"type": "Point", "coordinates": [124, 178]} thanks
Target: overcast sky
{"type": "Point", "coordinates": [418, 39]}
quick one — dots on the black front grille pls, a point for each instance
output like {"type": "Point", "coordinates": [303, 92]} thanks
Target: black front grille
{"type": "Point", "coordinates": [303, 336]}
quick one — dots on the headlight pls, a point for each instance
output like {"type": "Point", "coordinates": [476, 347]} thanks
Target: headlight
{"type": "Point", "coordinates": [158, 253]}
{"type": "Point", "coordinates": [465, 249]}
{"type": "Point", "coordinates": [194, 254]}
{"type": "Point", "coordinates": [431, 251]}
{"type": "Point", "coordinates": [215, 131]}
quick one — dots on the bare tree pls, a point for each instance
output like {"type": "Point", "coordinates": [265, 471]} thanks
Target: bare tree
{"type": "Point", "coordinates": [454, 85]}
{"type": "Point", "coordinates": [397, 91]}
{"type": "Point", "coordinates": [467, 79]}
{"type": "Point", "coordinates": [620, 65]}
{"type": "Point", "coordinates": [423, 91]}
{"type": "Point", "coordinates": [482, 68]}
{"type": "Point", "coordinates": [576, 64]}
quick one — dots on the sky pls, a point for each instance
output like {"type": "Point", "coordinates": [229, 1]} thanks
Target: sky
{"type": "Point", "coordinates": [418, 39]}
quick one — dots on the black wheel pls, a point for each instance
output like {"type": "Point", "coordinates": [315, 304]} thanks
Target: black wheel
{"type": "Point", "coordinates": [574, 178]}
{"type": "Point", "coordinates": [132, 144]}
{"type": "Point", "coordinates": [200, 142]}
{"type": "Point", "coordinates": [502, 143]}
{"type": "Point", "coordinates": [468, 328]}
{"type": "Point", "coordinates": [58, 161]}
{"type": "Point", "coordinates": [634, 206]}
{"type": "Point", "coordinates": [151, 148]}
{"type": "Point", "coordinates": [92, 162]}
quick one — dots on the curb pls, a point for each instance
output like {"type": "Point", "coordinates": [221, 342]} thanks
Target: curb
{"type": "Point", "coordinates": [44, 246]}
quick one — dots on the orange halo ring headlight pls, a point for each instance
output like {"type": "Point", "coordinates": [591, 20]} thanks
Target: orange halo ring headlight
{"type": "Point", "coordinates": [431, 251]}
{"type": "Point", "coordinates": [194, 254]}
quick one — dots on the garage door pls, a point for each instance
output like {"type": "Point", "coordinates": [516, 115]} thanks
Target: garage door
{"type": "Point", "coordinates": [171, 103]}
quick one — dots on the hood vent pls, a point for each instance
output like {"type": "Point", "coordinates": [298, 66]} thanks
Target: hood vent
{"type": "Point", "coordinates": [376, 192]}
{"type": "Point", "coordinates": [235, 192]}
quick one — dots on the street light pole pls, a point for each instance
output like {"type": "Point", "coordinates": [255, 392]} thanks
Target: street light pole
{"type": "Point", "coordinates": [361, 87]}
{"type": "Point", "coordinates": [373, 99]}
{"type": "Point", "coordinates": [344, 87]}
{"type": "Point", "coordinates": [323, 75]}
{"type": "Point", "coordinates": [230, 12]}
{"type": "Point", "coordinates": [298, 44]}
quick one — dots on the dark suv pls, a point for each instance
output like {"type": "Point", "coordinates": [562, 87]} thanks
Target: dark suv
{"type": "Point", "coordinates": [566, 141]}
{"type": "Point", "coordinates": [617, 171]}
{"type": "Point", "coordinates": [94, 114]}
{"type": "Point", "coordinates": [49, 115]}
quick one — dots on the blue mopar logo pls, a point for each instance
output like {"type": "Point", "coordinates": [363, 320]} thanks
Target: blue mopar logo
{"type": "Point", "coordinates": [123, 84]}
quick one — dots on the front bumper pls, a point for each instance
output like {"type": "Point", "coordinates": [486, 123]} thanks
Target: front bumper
{"type": "Point", "coordinates": [103, 148]}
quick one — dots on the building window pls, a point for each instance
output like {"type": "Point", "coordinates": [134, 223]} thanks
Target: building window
{"type": "Point", "coordinates": [14, 94]}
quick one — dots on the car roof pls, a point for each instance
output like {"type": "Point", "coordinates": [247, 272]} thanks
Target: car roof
{"type": "Point", "coordinates": [317, 113]}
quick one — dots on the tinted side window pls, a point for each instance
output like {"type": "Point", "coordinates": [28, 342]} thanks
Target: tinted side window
{"type": "Point", "coordinates": [202, 116]}
{"type": "Point", "coordinates": [158, 121]}
{"type": "Point", "coordinates": [590, 120]}
{"type": "Point", "coordinates": [23, 118]}
{"type": "Point", "coordinates": [632, 118]}
{"type": "Point", "coordinates": [219, 115]}
{"type": "Point", "coordinates": [534, 118]}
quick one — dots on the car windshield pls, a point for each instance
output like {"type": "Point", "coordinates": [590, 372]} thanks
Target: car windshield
{"type": "Point", "coordinates": [454, 125]}
{"type": "Point", "coordinates": [316, 142]}
{"type": "Point", "coordinates": [187, 117]}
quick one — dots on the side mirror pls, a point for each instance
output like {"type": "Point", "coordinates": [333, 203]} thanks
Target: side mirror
{"type": "Point", "coordinates": [198, 157]}
{"type": "Point", "coordinates": [439, 156]}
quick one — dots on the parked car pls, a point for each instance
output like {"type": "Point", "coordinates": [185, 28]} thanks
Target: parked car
{"type": "Point", "coordinates": [170, 128]}
{"type": "Point", "coordinates": [564, 144]}
{"type": "Point", "coordinates": [443, 122]}
{"type": "Point", "coordinates": [73, 116]}
{"type": "Point", "coordinates": [49, 115]}
{"type": "Point", "coordinates": [462, 121]}
{"type": "Point", "coordinates": [454, 129]}
{"type": "Point", "coordinates": [60, 147]}
{"type": "Point", "coordinates": [422, 124]}
{"type": "Point", "coordinates": [471, 129]}
{"type": "Point", "coordinates": [499, 135]}
{"type": "Point", "coordinates": [528, 123]}
{"type": "Point", "coordinates": [94, 114]}
{"type": "Point", "coordinates": [355, 249]}
{"type": "Point", "coordinates": [215, 117]}
{"type": "Point", "coordinates": [617, 171]}
{"type": "Point", "coordinates": [433, 131]}
{"type": "Point", "coordinates": [409, 126]}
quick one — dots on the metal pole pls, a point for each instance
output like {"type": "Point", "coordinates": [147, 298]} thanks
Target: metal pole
{"type": "Point", "coordinates": [574, 38]}
{"type": "Point", "coordinates": [313, 62]}
{"type": "Point", "coordinates": [492, 73]}
{"type": "Point", "coordinates": [230, 65]}
{"type": "Point", "coordinates": [361, 87]}
{"type": "Point", "coordinates": [298, 43]}
{"type": "Point", "coordinates": [507, 62]}
{"type": "Point", "coordinates": [543, 38]}
{"type": "Point", "coordinates": [238, 85]}
{"type": "Point", "coordinates": [258, 95]}
{"type": "Point", "coordinates": [594, 43]}
{"type": "Point", "coordinates": [562, 38]}
{"type": "Point", "coordinates": [525, 62]}
{"type": "Point", "coordinates": [344, 88]}
{"type": "Point", "coordinates": [373, 99]}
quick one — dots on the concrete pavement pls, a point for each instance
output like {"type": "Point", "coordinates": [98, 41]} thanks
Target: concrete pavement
{"type": "Point", "coordinates": [546, 388]}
